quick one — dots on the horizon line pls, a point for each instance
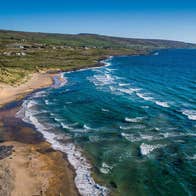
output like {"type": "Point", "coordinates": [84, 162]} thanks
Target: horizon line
{"type": "Point", "coordinates": [107, 35]}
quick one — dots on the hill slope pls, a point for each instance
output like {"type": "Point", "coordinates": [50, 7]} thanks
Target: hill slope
{"type": "Point", "coordinates": [89, 40]}
{"type": "Point", "coordinates": [22, 53]}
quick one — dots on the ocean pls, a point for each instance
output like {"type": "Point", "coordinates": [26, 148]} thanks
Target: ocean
{"type": "Point", "coordinates": [127, 128]}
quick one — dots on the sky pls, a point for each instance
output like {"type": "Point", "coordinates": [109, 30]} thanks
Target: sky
{"type": "Point", "coordinates": [158, 19]}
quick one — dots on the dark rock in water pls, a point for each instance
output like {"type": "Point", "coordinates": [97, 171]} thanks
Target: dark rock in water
{"type": "Point", "coordinates": [146, 181]}
{"type": "Point", "coordinates": [5, 151]}
{"type": "Point", "coordinates": [113, 184]}
{"type": "Point", "coordinates": [178, 162]}
{"type": "Point", "coordinates": [165, 172]}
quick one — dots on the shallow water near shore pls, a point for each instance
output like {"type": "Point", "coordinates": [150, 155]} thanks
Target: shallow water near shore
{"type": "Point", "coordinates": [135, 119]}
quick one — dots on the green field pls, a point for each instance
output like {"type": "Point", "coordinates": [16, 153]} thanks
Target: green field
{"type": "Point", "coordinates": [22, 53]}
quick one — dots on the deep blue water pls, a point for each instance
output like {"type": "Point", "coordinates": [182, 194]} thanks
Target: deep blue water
{"type": "Point", "coordinates": [134, 120]}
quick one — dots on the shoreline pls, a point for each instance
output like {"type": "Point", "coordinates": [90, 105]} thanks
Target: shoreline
{"type": "Point", "coordinates": [37, 81]}
{"type": "Point", "coordinates": [25, 154]}
{"type": "Point", "coordinates": [28, 154]}
{"type": "Point", "coordinates": [46, 171]}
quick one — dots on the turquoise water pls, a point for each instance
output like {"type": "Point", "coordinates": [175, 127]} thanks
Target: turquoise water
{"type": "Point", "coordinates": [135, 120]}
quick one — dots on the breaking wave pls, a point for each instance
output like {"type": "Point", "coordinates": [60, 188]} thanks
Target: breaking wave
{"type": "Point", "coordinates": [137, 119]}
{"type": "Point", "coordinates": [145, 149]}
{"type": "Point", "coordinates": [191, 114]}
{"type": "Point", "coordinates": [83, 180]}
{"type": "Point", "coordinates": [146, 97]}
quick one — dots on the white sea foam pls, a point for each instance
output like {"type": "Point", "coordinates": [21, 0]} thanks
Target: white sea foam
{"type": "Point", "coordinates": [131, 137]}
{"type": "Point", "coordinates": [191, 134]}
{"type": "Point", "coordinates": [191, 114]}
{"type": "Point", "coordinates": [123, 84]}
{"type": "Point", "coordinates": [59, 81]}
{"type": "Point", "coordinates": [145, 149]}
{"type": "Point", "coordinates": [132, 127]}
{"type": "Point", "coordinates": [39, 94]}
{"type": "Point", "coordinates": [179, 134]}
{"type": "Point", "coordinates": [94, 138]}
{"type": "Point", "coordinates": [169, 134]}
{"type": "Point", "coordinates": [139, 137]}
{"type": "Point", "coordinates": [125, 127]}
{"type": "Point", "coordinates": [101, 79]}
{"type": "Point", "coordinates": [144, 96]}
{"type": "Point", "coordinates": [137, 119]}
{"type": "Point", "coordinates": [46, 102]}
{"type": "Point", "coordinates": [43, 112]}
{"type": "Point", "coordinates": [112, 88]}
{"type": "Point", "coordinates": [107, 61]}
{"type": "Point", "coordinates": [136, 89]}
{"type": "Point", "coordinates": [127, 91]}
{"type": "Point", "coordinates": [191, 157]}
{"type": "Point", "coordinates": [31, 104]}
{"type": "Point", "coordinates": [138, 126]}
{"type": "Point", "coordinates": [105, 168]}
{"type": "Point", "coordinates": [163, 104]}
{"type": "Point", "coordinates": [58, 119]}
{"type": "Point", "coordinates": [104, 110]}
{"type": "Point", "coordinates": [73, 124]}
{"type": "Point", "coordinates": [64, 79]}
{"type": "Point", "coordinates": [109, 69]}
{"type": "Point", "coordinates": [87, 127]}
{"type": "Point", "coordinates": [27, 105]}
{"type": "Point", "coordinates": [65, 126]}
{"type": "Point", "coordinates": [147, 137]}
{"type": "Point", "coordinates": [83, 180]}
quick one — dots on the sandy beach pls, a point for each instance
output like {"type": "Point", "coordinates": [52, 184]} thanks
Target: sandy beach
{"type": "Point", "coordinates": [35, 170]}
{"type": "Point", "coordinates": [36, 81]}
{"type": "Point", "coordinates": [28, 164]}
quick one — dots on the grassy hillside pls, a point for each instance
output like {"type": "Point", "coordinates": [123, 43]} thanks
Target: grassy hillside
{"type": "Point", "coordinates": [22, 53]}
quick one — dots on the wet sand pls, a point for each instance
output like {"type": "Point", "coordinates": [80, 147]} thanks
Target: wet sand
{"type": "Point", "coordinates": [28, 164]}
{"type": "Point", "coordinates": [35, 170]}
